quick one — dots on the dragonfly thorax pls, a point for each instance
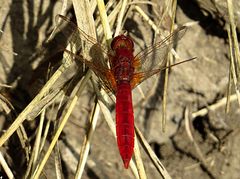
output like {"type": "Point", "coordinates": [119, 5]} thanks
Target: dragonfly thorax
{"type": "Point", "coordinates": [122, 67]}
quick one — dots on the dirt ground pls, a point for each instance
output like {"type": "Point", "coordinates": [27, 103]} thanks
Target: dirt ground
{"type": "Point", "coordinates": [193, 86]}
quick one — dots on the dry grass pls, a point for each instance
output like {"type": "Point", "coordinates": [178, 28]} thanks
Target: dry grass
{"type": "Point", "coordinates": [47, 97]}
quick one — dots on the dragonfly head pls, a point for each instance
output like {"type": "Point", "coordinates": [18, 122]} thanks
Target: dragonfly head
{"type": "Point", "coordinates": [122, 42]}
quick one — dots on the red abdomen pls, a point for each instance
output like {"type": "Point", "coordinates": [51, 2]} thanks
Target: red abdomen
{"type": "Point", "coordinates": [125, 122]}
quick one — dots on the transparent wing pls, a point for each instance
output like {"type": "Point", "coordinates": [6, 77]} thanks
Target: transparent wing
{"type": "Point", "coordinates": [154, 57]}
{"type": "Point", "coordinates": [139, 77]}
{"type": "Point", "coordinates": [97, 52]}
{"type": "Point", "coordinates": [75, 35]}
{"type": "Point", "coordinates": [104, 74]}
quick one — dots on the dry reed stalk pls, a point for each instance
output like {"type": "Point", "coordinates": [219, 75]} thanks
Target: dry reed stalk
{"type": "Point", "coordinates": [234, 50]}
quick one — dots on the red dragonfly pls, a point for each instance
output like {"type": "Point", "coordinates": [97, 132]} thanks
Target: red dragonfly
{"type": "Point", "coordinates": [124, 72]}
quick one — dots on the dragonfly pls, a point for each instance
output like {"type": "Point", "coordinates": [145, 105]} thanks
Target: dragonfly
{"type": "Point", "coordinates": [121, 71]}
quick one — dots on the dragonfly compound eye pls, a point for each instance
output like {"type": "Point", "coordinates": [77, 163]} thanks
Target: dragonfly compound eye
{"type": "Point", "coordinates": [122, 41]}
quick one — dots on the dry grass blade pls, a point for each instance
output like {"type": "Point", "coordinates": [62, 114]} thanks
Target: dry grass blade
{"type": "Point", "coordinates": [139, 162]}
{"type": "Point", "coordinates": [8, 108]}
{"type": "Point", "coordinates": [85, 21]}
{"type": "Point", "coordinates": [5, 86]}
{"type": "Point", "coordinates": [233, 67]}
{"type": "Point", "coordinates": [63, 12]}
{"type": "Point", "coordinates": [190, 136]}
{"type": "Point", "coordinates": [36, 148]}
{"type": "Point", "coordinates": [86, 143]}
{"type": "Point", "coordinates": [38, 145]}
{"type": "Point", "coordinates": [23, 115]}
{"type": "Point", "coordinates": [38, 137]}
{"type": "Point", "coordinates": [234, 33]}
{"type": "Point", "coordinates": [120, 17]}
{"type": "Point", "coordinates": [159, 166]}
{"type": "Point", "coordinates": [57, 161]}
{"type": "Point", "coordinates": [234, 50]}
{"type": "Point", "coordinates": [164, 99]}
{"type": "Point", "coordinates": [34, 103]}
{"type": "Point", "coordinates": [108, 117]}
{"type": "Point", "coordinates": [150, 22]}
{"type": "Point", "coordinates": [188, 119]}
{"type": "Point", "coordinates": [104, 20]}
{"type": "Point", "coordinates": [55, 138]}
{"type": "Point", "coordinates": [64, 118]}
{"type": "Point", "coordinates": [6, 105]}
{"type": "Point", "coordinates": [5, 167]}
{"type": "Point", "coordinates": [46, 130]}
{"type": "Point", "coordinates": [44, 103]}
{"type": "Point", "coordinates": [213, 107]}
{"type": "Point", "coordinates": [227, 107]}
{"type": "Point", "coordinates": [166, 77]}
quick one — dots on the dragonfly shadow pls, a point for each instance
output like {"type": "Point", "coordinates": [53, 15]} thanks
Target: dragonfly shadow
{"type": "Point", "coordinates": [97, 55]}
